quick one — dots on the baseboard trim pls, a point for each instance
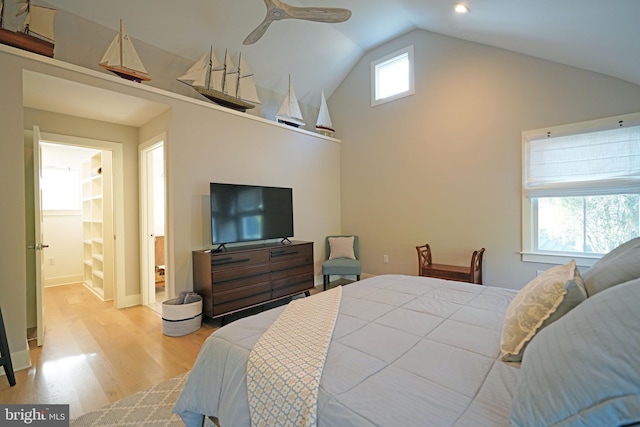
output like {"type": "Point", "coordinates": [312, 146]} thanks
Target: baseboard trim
{"type": "Point", "coordinates": [62, 280]}
{"type": "Point", "coordinates": [129, 301]}
{"type": "Point", "coordinates": [20, 360]}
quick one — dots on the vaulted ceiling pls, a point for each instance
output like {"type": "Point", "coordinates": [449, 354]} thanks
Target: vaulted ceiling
{"type": "Point", "coordinates": [597, 35]}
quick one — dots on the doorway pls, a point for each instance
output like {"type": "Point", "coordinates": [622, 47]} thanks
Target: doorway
{"type": "Point", "coordinates": [155, 283]}
{"type": "Point", "coordinates": [66, 164]}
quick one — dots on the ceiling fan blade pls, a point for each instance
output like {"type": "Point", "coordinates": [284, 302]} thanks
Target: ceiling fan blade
{"type": "Point", "coordinates": [259, 31]}
{"type": "Point", "coordinates": [319, 14]}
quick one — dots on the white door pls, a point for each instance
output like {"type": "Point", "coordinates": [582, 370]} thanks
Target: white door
{"type": "Point", "coordinates": [39, 246]}
{"type": "Point", "coordinates": [152, 212]}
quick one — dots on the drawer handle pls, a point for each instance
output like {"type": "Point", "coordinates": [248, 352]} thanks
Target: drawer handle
{"type": "Point", "coordinates": [228, 260]}
{"type": "Point", "coordinates": [283, 253]}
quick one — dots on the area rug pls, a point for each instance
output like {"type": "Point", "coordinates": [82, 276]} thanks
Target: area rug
{"type": "Point", "coordinates": [148, 408]}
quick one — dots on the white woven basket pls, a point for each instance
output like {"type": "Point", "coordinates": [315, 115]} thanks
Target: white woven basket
{"type": "Point", "coordinates": [181, 319]}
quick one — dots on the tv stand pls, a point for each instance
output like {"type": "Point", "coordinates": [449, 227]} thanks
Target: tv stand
{"type": "Point", "coordinates": [221, 248]}
{"type": "Point", "coordinates": [242, 277]}
{"type": "Point", "coordinates": [285, 241]}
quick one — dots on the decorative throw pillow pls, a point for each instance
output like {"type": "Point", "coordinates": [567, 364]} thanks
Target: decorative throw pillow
{"type": "Point", "coordinates": [541, 302]}
{"type": "Point", "coordinates": [618, 266]}
{"type": "Point", "coordinates": [583, 369]}
{"type": "Point", "coordinates": [341, 247]}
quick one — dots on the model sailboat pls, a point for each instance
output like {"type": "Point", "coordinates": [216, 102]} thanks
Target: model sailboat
{"type": "Point", "coordinates": [289, 112]}
{"type": "Point", "coordinates": [323, 125]}
{"type": "Point", "coordinates": [223, 83]}
{"type": "Point", "coordinates": [36, 32]}
{"type": "Point", "coordinates": [122, 59]}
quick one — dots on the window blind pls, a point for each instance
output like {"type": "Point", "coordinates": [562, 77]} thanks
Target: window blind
{"type": "Point", "coordinates": [584, 164]}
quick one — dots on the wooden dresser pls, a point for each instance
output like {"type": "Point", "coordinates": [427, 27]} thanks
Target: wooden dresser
{"type": "Point", "coordinates": [247, 276]}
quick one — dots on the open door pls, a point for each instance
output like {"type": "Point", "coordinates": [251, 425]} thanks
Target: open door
{"type": "Point", "coordinates": [152, 223]}
{"type": "Point", "coordinates": [39, 246]}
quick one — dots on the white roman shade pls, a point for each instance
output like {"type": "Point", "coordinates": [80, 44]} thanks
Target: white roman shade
{"type": "Point", "coordinates": [583, 164]}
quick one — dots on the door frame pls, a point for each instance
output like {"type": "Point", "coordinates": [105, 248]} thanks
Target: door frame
{"type": "Point", "coordinates": [147, 236]}
{"type": "Point", "coordinates": [117, 150]}
{"type": "Point", "coordinates": [38, 245]}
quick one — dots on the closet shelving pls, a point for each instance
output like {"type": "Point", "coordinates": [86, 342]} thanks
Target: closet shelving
{"type": "Point", "coordinates": [97, 225]}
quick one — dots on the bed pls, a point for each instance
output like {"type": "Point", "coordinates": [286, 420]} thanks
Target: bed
{"type": "Point", "coordinates": [410, 350]}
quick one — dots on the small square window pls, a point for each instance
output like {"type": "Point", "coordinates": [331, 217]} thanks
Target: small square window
{"type": "Point", "coordinates": [392, 77]}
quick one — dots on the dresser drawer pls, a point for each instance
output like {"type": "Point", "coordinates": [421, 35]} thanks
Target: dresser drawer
{"type": "Point", "coordinates": [292, 285]}
{"type": "Point", "coordinates": [224, 261]}
{"type": "Point", "coordinates": [240, 282]}
{"type": "Point", "coordinates": [289, 257]}
{"type": "Point", "coordinates": [293, 271]}
{"type": "Point", "coordinates": [246, 297]}
{"type": "Point", "coordinates": [247, 271]}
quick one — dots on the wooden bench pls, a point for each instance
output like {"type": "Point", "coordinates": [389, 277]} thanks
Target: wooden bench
{"type": "Point", "coordinates": [471, 274]}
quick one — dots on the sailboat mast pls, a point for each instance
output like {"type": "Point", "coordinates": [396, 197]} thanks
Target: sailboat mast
{"type": "Point", "coordinates": [26, 27]}
{"type": "Point", "coordinates": [238, 76]}
{"type": "Point", "coordinates": [210, 70]}
{"type": "Point", "coordinates": [224, 75]}
{"type": "Point", "coordinates": [121, 46]}
{"type": "Point", "coordinates": [1, 13]}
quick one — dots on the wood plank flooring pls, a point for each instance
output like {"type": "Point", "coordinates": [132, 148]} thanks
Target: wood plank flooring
{"type": "Point", "coordinates": [94, 354]}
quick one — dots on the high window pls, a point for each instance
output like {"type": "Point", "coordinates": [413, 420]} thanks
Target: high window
{"type": "Point", "coordinates": [392, 77]}
{"type": "Point", "coordinates": [581, 189]}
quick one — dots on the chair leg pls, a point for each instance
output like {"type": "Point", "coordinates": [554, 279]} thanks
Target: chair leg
{"type": "Point", "coordinates": [5, 354]}
{"type": "Point", "coordinates": [325, 282]}
{"type": "Point", "coordinates": [358, 277]}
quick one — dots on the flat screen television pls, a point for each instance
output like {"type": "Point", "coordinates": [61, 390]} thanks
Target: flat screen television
{"type": "Point", "coordinates": [243, 213]}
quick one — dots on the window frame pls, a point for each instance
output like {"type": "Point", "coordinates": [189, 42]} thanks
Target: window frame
{"type": "Point", "coordinates": [529, 253]}
{"type": "Point", "coordinates": [408, 51]}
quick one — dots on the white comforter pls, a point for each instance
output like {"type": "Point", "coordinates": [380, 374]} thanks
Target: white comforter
{"type": "Point", "coordinates": [406, 350]}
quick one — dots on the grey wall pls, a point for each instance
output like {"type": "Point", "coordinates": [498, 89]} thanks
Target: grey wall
{"type": "Point", "coordinates": [444, 166]}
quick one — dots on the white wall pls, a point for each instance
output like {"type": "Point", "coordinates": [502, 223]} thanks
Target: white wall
{"type": "Point", "coordinates": [443, 166]}
{"type": "Point", "coordinates": [63, 257]}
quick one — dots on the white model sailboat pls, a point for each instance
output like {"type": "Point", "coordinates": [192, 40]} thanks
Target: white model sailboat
{"type": "Point", "coordinates": [323, 125]}
{"type": "Point", "coordinates": [38, 21]}
{"type": "Point", "coordinates": [289, 112]}
{"type": "Point", "coordinates": [223, 83]}
{"type": "Point", "coordinates": [122, 59]}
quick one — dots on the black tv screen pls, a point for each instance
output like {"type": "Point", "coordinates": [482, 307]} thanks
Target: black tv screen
{"type": "Point", "coordinates": [242, 213]}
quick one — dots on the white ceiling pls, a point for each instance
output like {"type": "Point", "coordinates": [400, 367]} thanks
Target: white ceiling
{"type": "Point", "coordinates": [597, 35]}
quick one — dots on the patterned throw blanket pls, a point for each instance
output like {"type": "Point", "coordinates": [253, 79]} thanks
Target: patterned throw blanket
{"type": "Point", "coordinates": [285, 365]}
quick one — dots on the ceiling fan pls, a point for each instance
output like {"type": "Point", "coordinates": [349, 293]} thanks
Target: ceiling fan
{"type": "Point", "coordinates": [277, 10]}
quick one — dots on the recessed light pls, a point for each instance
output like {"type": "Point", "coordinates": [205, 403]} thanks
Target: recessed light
{"type": "Point", "coordinates": [460, 8]}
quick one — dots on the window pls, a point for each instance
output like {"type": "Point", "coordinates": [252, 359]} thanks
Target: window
{"type": "Point", "coordinates": [581, 189]}
{"type": "Point", "coordinates": [60, 189]}
{"type": "Point", "coordinates": [392, 77]}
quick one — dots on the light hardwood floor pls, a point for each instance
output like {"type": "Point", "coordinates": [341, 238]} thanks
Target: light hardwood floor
{"type": "Point", "coordinates": [94, 354]}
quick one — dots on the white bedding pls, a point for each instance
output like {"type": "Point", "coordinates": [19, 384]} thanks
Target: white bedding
{"type": "Point", "coordinates": [406, 350]}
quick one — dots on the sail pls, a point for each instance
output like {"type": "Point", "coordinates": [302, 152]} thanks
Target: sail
{"type": "Point", "coordinates": [247, 84]}
{"type": "Point", "coordinates": [290, 109]}
{"type": "Point", "coordinates": [324, 120]}
{"type": "Point", "coordinates": [121, 53]}
{"type": "Point", "coordinates": [207, 67]}
{"type": "Point", "coordinates": [130, 58]}
{"type": "Point", "coordinates": [40, 20]}
{"type": "Point", "coordinates": [197, 74]}
{"type": "Point", "coordinates": [231, 76]}
{"type": "Point", "coordinates": [112, 55]}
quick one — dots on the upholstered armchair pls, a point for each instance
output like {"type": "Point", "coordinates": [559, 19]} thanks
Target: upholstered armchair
{"type": "Point", "coordinates": [342, 257]}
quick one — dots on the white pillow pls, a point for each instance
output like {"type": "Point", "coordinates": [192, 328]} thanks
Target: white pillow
{"type": "Point", "coordinates": [541, 302]}
{"type": "Point", "coordinates": [341, 247]}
